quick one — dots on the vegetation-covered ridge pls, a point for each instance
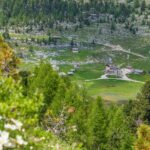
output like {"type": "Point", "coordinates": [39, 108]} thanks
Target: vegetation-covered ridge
{"type": "Point", "coordinates": [48, 12]}
{"type": "Point", "coordinates": [41, 110]}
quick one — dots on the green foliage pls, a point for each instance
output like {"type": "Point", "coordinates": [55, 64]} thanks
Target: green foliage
{"type": "Point", "coordinates": [48, 12]}
{"type": "Point", "coordinates": [14, 104]}
{"type": "Point", "coordinates": [49, 104]}
{"type": "Point", "coordinates": [97, 125]}
{"type": "Point", "coordinates": [113, 26]}
{"type": "Point", "coordinates": [49, 83]}
{"type": "Point", "coordinates": [143, 141]}
{"type": "Point", "coordinates": [143, 5]}
{"type": "Point", "coordinates": [119, 136]}
{"type": "Point", "coordinates": [136, 3]}
{"type": "Point", "coordinates": [46, 81]}
{"type": "Point", "coordinates": [143, 102]}
{"type": "Point", "coordinates": [139, 110]}
{"type": "Point", "coordinates": [6, 34]}
{"type": "Point", "coordinates": [77, 99]}
{"type": "Point", "coordinates": [9, 89]}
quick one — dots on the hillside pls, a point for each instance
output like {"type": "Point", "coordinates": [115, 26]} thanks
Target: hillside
{"type": "Point", "coordinates": [100, 31]}
{"type": "Point", "coordinates": [47, 13]}
{"type": "Point", "coordinates": [40, 110]}
{"type": "Point", "coordinates": [74, 74]}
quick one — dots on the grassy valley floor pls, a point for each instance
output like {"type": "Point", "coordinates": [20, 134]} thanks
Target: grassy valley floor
{"type": "Point", "coordinates": [91, 58]}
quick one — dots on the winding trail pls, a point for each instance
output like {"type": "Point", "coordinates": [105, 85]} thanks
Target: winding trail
{"type": "Point", "coordinates": [121, 49]}
{"type": "Point", "coordinates": [102, 78]}
{"type": "Point", "coordinates": [125, 71]}
{"type": "Point", "coordinates": [123, 78]}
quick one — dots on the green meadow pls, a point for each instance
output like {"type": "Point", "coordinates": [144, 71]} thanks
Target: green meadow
{"type": "Point", "coordinates": [110, 90]}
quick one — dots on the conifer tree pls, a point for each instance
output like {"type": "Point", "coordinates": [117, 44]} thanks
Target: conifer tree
{"type": "Point", "coordinates": [143, 103]}
{"type": "Point", "coordinates": [46, 81]}
{"type": "Point", "coordinates": [143, 5]}
{"type": "Point", "coordinates": [97, 125]}
{"type": "Point", "coordinates": [119, 136]}
{"type": "Point", "coordinates": [136, 3]}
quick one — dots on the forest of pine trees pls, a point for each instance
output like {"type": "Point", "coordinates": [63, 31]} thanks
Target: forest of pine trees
{"type": "Point", "coordinates": [48, 12]}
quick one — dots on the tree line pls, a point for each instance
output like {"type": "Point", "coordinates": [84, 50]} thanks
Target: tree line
{"type": "Point", "coordinates": [49, 12]}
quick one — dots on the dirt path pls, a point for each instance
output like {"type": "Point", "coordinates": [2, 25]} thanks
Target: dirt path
{"type": "Point", "coordinates": [123, 78]}
{"type": "Point", "coordinates": [101, 78]}
{"type": "Point", "coordinates": [119, 48]}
